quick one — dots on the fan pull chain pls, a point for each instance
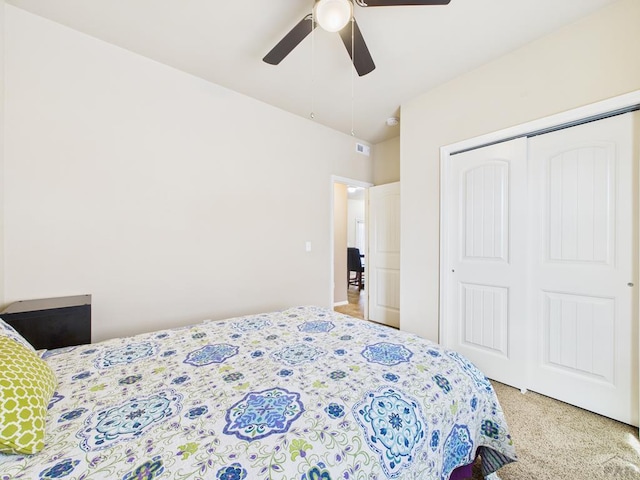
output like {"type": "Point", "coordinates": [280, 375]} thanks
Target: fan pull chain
{"type": "Point", "coordinates": [313, 49]}
{"type": "Point", "coordinates": [353, 58]}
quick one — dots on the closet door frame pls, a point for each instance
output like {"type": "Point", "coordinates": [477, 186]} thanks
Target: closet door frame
{"type": "Point", "coordinates": [571, 116]}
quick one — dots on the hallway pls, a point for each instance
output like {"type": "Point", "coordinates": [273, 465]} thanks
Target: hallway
{"type": "Point", "coordinates": [355, 307]}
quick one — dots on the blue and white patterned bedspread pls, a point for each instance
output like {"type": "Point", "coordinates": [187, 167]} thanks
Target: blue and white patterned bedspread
{"type": "Point", "coordinates": [303, 394]}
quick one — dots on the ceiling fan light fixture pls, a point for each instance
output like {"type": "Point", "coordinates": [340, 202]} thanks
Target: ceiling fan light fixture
{"type": "Point", "coordinates": [333, 15]}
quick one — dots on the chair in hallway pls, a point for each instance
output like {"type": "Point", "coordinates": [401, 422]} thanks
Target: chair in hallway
{"type": "Point", "coordinates": [354, 265]}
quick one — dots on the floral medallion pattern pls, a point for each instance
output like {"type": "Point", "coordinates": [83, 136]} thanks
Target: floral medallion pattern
{"type": "Point", "coordinates": [394, 427]}
{"type": "Point", "coordinates": [128, 420]}
{"type": "Point", "coordinates": [128, 354]}
{"type": "Point", "coordinates": [252, 324]}
{"type": "Point", "coordinates": [490, 429]}
{"type": "Point", "coordinates": [302, 394]}
{"type": "Point", "coordinates": [442, 382]}
{"type": "Point", "coordinates": [211, 354]}
{"type": "Point", "coordinates": [318, 326]}
{"type": "Point", "coordinates": [72, 415]}
{"type": "Point", "coordinates": [232, 472]}
{"type": "Point", "coordinates": [233, 377]}
{"type": "Point", "coordinates": [130, 380]}
{"type": "Point", "coordinates": [391, 377]}
{"type": "Point", "coordinates": [298, 354]}
{"type": "Point", "coordinates": [317, 472]}
{"type": "Point", "coordinates": [260, 414]}
{"type": "Point", "coordinates": [60, 470]}
{"type": "Point", "coordinates": [387, 353]}
{"type": "Point", "coordinates": [195, 412]}
{"type": "Point", "coordinates": [147, 471]}
{"type": "Point", "coordinates": [478, 377]}
{"type": "Point", "coordinates": [81, 376]}
{"type": "Point", "coordinates": [180, 380]}
{"type": "Point", "coordinates": [334, 410]}
{"type": "Point", "coordinates": [435, 440]}
{"type": "Point", "coordinates": [458, 448]}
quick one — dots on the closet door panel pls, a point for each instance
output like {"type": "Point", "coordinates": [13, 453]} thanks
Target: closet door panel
{"type": "Point", "coordinates": [581, 222]}
{"type": "Point", "coordinates": [486, 202]}
{"type": "Point", "coordinates": [582, 209]}
{"type": "Point", "coordinates": [578, 334]}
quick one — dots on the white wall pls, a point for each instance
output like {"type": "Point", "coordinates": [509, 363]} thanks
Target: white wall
{"type": "Point", "coordinates": [1, 152]}
{"type": "Point", "coordinates": [386, 161]}
{"type": "Point", "coordinates": [340, 215]}
{"type": "Point", "coordinates": [355, 212]}
{"type": "Point", "coordinates": [168, 198]}
{"type": "Point", "coordinates": [591, 60]}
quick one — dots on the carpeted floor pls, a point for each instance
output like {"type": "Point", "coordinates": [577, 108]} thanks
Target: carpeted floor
{"type": "Point", "coordinates": [555, 441]}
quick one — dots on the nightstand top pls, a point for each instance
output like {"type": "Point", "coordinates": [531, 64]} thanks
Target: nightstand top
{"type": "Point", "coordinates": [47, 304]}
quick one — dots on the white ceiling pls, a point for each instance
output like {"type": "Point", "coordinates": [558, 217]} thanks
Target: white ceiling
{"type": "Point", "coordinates": [414, 48]}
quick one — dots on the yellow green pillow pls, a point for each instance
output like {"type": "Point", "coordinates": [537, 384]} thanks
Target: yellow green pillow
{"type": "Point", "coordinates": [26, 387]}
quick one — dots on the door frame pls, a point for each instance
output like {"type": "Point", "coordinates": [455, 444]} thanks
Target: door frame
{"type": "Point", "coordinates": [575, 115]}
{"type": "Point", "coordinates": [355, 183]}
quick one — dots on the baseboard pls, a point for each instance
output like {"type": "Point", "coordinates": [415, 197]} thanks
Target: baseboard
{"type": "Point", "coordinates": [339, 304]}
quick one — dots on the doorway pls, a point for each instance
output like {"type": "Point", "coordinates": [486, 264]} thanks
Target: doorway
{"type": "Point", "coordinates": [349, 207]}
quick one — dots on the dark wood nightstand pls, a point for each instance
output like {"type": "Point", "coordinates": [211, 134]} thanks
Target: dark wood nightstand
{"type": "Point", "coordinates": [52, 322]}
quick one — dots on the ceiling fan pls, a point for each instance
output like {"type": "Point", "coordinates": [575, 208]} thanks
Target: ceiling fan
{"type": "Point", "coordinates": [337, 16]}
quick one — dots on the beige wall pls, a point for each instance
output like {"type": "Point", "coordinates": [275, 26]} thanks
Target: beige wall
{"type": "Point", "coordinates": [593, 59]}
{"type": "Point", "coordinates": [355, 212]}
{"type": "Point", "coordinates": [386, 161]}
{"type": "Point", "coordinates": [168, 198]}
{"type": "Point", "coordinates": [1, 152]}
{"type": "Point", "coordinates": [340, 214]}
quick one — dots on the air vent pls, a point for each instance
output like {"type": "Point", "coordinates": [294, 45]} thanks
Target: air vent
{"type": "Point", "coordinates": [363, 149]}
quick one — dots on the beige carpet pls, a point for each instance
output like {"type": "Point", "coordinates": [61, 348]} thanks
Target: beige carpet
{"type": "Point", "coordinates": [559, 441]}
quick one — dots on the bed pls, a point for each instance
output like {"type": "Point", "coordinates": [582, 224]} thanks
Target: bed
{"type": "Point", "coordinates": [304, 393]}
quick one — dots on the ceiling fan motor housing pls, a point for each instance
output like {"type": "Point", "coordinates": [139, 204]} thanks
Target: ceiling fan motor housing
{"type": "Point", "coordinates": [333, 15]}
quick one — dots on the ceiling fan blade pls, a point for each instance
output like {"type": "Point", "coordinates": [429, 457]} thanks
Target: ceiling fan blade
{"type": "Point", "coordinates": [398, 3]}
{"type": "Point", "coordinates": [290, 41]}
{"type": "Point", "coordinates": [362, 60]}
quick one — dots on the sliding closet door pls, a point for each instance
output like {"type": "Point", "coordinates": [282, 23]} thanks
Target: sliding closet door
{"type": "Point", "coordinates": [584, 266]}
{"type": "Point", "coordinates": [485, 268]}
{"type": "Point", "coordinates": [539, 275]}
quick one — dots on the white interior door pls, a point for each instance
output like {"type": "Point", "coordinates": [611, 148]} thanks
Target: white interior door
{"type": "Point", "coordinates": [382, 263]}
{"type": "Point", "coordinates": [486, 264]}
{"type": "Point", "coordinates": [584, 267]}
